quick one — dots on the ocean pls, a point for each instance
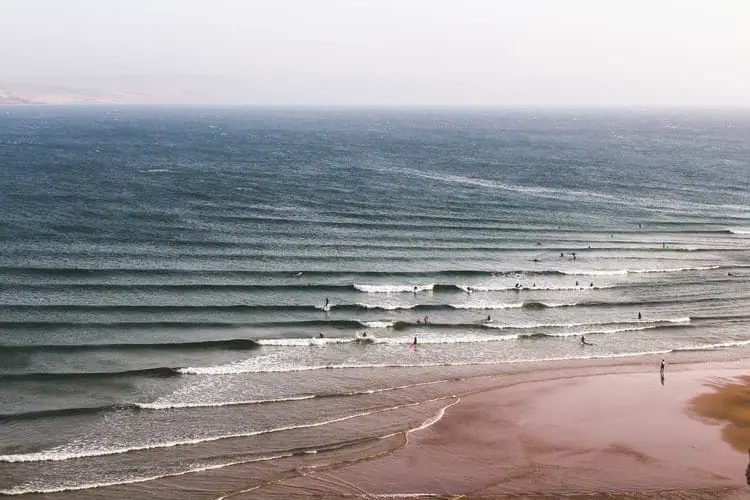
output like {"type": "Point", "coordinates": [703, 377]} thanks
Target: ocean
{"type": "Point", "coordinates": [164, 274]}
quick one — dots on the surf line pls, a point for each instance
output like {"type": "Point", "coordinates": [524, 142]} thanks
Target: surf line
{"type": "Point", "coordinates": [53, 456]}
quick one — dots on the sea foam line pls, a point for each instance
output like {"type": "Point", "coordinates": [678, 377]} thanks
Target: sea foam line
{"type": "Point", "coordinates": [20, 490]}
{"type": "Point", "coordinates": [493, 362]}
{"type": "Point", "coordinates": [57, 456]}
{"type": "Point", "coordinates": [168, 406]}
{"type": "Point", "coordinates": [432, 421]}
{"type": "Point", "coordinates": [685, 319]}
{"type": "Point", "coordinates": [620, 272]}
{"type": "Point", "coordinates": [394, 288]}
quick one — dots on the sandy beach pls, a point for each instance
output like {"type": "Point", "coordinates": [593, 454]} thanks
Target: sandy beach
{"type": "Point", "coordinates": [600, 429]}
{"type": "Point", "coordinates": [591, 435]}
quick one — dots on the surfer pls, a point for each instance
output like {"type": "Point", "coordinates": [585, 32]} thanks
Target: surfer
{"type": "Point", "coordinates": [298, 274]}
{"type": "Point", "coordinates": [583, 341]}
{"type": "Point", "coordinates": [639, 315]}
{"type": "Point", "coordinates": [415, 341]}
{"type": "Point", "coordinates": [325, 307]}
{"type": "Point", "coordinates": [320, 335]}
{"type": "Point", "coordinates": [489, 318]}
{"type": "Point", "coordinates": [415, 289]}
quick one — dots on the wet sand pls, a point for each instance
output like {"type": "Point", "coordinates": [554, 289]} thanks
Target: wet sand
{"type": "Point", "coordinates": [588, 435]}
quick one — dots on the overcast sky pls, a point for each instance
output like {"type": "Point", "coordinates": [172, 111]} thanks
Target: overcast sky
{"type": "Point", "coordinates": [390, 52]}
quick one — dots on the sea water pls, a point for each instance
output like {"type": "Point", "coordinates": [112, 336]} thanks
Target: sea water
{"type": "Point", "coordinates": [164, 272]}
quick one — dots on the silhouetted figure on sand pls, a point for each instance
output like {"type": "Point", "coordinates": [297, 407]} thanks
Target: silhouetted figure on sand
{"type": "Point", "coordinates": [747, 471]}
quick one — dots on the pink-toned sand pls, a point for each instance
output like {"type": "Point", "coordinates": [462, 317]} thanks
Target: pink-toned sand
{"type": "Point", "coordinates": [597, 434]}
{"type": "Point", "coordinates": [589, 429]}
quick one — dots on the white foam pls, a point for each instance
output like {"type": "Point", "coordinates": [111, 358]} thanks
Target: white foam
{"type": "Point", "coordinates": [394, 288]}
{"type": "Point", "coordinates": [431, 338]}
{"type": "Point", "coordinates": [169, 405]}
{"type": "Point", "coordinates": [494, 288]}
{"type": "Point", "coordinates": [737, 343]}
{"type": "Point", "coordinates": [487, 306]}
{"type": "Point", "coordinates": [388, 307]}
{"type": "Point", "coordinates": [378, 324]}
{"type": "Point", "coordinates": [59, 453]}
{"type": "Point", "coordinates": [595, 272]}
{"type": "Point", "coordinates": [23, 490]}
{"type": "Point", "coordinates": [607, 331]}
{"type": "Point", "coordinates": [685, 319]}
{"type": "Point", "coordinates": [740, 231]}
{"type": "Point", "coordinates": [432, 421]}
{"type": "Point", "coordinates": [621, 272]}
{"type": "Point", "coordinates": [298, 342]}
{"type": "Point", "coordinates": [674, 269]}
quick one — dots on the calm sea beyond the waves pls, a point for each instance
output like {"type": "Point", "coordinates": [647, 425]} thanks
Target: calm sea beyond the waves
{"type": "Point", "coordinates": [164, 271]}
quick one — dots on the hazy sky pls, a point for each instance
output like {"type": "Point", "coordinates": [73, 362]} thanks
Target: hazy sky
{"type": "Point", "coordinates": [391, 52]}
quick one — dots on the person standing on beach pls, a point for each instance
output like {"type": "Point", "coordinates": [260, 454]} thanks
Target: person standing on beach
{"type": "Point", "coordinates": [415, 341]}
{"type": "Point", "coordinates": [661, 369]}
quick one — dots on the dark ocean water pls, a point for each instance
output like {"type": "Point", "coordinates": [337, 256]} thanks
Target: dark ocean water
{"type": "Point", "coordinates": [164, 271]}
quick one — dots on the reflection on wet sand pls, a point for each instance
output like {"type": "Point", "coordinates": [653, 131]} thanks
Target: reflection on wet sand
{"type": "Point", "coordinates": [729, 403]}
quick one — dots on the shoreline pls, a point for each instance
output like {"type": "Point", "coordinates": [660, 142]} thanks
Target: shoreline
{"type": "Point", "coordinates": [587, 427]}
{"type": "Point", "coordinates": [604, 434]}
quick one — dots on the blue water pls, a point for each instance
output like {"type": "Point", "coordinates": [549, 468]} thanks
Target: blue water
{"type": "Point", "coordinates": [161, 264]}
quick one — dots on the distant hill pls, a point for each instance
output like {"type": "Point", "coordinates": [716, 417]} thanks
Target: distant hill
{"type": "Point", "coordinates": [15, 93]}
